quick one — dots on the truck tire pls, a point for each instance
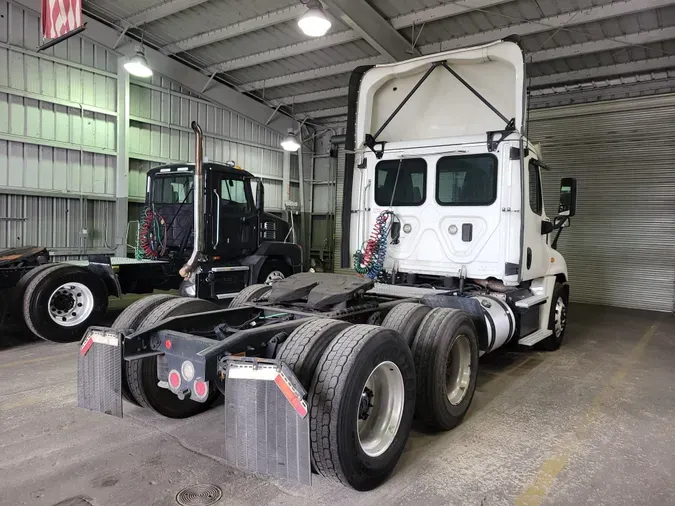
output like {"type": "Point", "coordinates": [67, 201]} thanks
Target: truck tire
{"type": "Point", "coordinates": [274, 270]}
{"type": "Point", "coordinates": [405, 319]}
{"type": "Point", "coordinates": [249, 294]}
{"type": "Point", "coordinates": [366, 373]}
{"type": "Point", "coordinates": [61, 303]}
{"type": "Point", "coordinates": [557, 320]}
{"type": "Point", "coordinates": [142, 374]}
{"type": "Point", "coordinates": [446, 361]}
{"type": "Point", "coordinates": [131, 318]}
{"type": "Point", "coordinates": [304, 347]}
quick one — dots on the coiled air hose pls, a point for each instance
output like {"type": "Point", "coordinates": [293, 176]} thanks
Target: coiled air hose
{"type": "Point", "coordinates": [151, 243]}
{"type": "Point", "coordinates": [369, 260]}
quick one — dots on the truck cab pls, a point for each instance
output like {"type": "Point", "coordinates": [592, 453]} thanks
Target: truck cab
{"type": "Point", "coordinates": [241, 243]}
{"type": "Point", "coordinates": [442, 163]}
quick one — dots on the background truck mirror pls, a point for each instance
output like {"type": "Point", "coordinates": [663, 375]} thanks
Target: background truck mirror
{"type": "Point", "coordinates": [568, 197]}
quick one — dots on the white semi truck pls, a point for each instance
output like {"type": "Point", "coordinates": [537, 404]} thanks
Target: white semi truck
{"type": "Point", "coordinates": [445, 225]}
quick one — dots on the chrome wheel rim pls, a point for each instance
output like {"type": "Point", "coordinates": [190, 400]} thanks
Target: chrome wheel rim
{"type": "Point", "coordinates": [458, 370]}
{"type": "Point", "coordinates": [71, 304]}
{"type": "Point", "coordinates": [380, 409]}
{"type": "Point", "coordinates": [560, 316]}
{"type": "Point", "coordinates": [274, 276]}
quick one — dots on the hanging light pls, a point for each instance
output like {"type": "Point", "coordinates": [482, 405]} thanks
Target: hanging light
{"type": "Point", "coordinates": [314, 22]}
{"type": "Point", "coordinates": [138, 65]}
{"type": "Point", "coordinates": [290, 143]}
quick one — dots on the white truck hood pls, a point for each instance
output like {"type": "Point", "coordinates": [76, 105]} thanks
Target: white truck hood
{"type": "Point", "coordinates": [443, 106]}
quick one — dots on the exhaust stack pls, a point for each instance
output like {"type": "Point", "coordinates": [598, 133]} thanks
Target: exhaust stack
{"type": "Point", "coordinates": [198, 193]}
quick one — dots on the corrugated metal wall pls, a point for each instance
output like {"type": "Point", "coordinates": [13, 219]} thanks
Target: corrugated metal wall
{"type": "Point", "coordinates": [620, 249]}
{"type": "Point", "coordinates": [57, 140]}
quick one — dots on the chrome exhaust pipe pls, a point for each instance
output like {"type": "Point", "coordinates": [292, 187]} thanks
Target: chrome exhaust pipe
{"type": "Point", "coordinates": [198, 198]}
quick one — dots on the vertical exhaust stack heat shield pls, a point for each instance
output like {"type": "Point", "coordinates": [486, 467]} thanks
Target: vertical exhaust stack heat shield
{"type": "Point", "coordinates": [190, 266]}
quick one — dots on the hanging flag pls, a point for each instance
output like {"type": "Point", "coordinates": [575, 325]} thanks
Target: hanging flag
{"type": "Point", "coordinates": [60, 17]}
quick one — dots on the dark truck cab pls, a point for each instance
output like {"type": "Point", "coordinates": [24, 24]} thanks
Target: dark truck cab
{"type": "Point", "coordinates": [242, 244]}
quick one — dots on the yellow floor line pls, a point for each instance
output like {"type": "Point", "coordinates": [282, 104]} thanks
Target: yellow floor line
{"type": "Point", "coordinates": [549, 471]}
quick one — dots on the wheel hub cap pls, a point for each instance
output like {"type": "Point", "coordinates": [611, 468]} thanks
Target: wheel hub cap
{"type": "Point", "coordinates": [380, 409]}
{"type": "Point", "coordinates": [71, 304]}
{"type": "Point", "coordinates": [274, 276]}
{"type": "Point", "coordinates": [458, 370]}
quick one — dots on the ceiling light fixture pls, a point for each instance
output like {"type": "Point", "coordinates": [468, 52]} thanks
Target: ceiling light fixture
{"type": "Point", "coordinates": [138, 65]}
{"type": "Point", "coordinates": [314, 22]}
{"type": "Point", "coordinates": [290, 143]}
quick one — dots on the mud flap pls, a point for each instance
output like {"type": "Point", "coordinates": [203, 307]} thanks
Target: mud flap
{"type": "Point", "coordinates": [266, 420]}
{"type": "Point", "coordinates": [99, 371]}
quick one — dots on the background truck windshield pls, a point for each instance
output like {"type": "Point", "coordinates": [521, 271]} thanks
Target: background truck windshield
{"type": "Point", "coordinates": [469, 180]}
{"type": "Point", "coordinates": [172, 189]}
{"type": "Point", "coordinates": [411, 184]}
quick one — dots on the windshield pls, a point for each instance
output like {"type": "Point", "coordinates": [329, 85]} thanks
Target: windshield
{"type": "Point", "coordinates": [468, 180]}
{"type": "Point", "coordinates": [171, 189]}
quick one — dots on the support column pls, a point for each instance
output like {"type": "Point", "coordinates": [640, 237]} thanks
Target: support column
{"type": "Point", "coordinates": [122, 168]}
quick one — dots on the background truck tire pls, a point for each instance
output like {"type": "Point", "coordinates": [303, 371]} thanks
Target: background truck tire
{"type": "Point", "coordinates": [405, 319]}
{"type": "Point", "coordinates": [339, 399]}
{"type": "Point", "coordinates": [445, 343]}
{"type": "Point", "coordinates": [304, 347]}
{"type": "Point", "coordinates": [131, 318]}
{"type": "Point", "coordinates": [248, 294]}
{"type": "Point", "coordinates": [557, 320]}
{"type": "Point", "coordinates": [142, 375]}
{"type": "Point", "coordinates": [51, 291]}
{"type": "Point", "coordinates": [20, 288]}
{"type": "Point", "coordinates": [273, 270]}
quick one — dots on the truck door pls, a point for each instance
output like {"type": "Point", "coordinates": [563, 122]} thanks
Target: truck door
{"type": "Point", "coordinates": [535, 252]}
{"type": "Point", "coordinates": [232, 218]}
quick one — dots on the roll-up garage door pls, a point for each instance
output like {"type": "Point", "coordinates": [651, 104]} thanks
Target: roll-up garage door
{"type": "Point", "coordinates": [620, 249]}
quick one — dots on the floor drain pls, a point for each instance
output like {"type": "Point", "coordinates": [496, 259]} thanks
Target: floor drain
{"type": "Point", "coordinates": [199, 495]}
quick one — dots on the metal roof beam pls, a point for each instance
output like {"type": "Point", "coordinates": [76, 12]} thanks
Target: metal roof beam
{"type": "Point", "coordinates": [284, 52]}
{"type": "Point", "coordinates": [371, 26]}
{"type": "Point", "coordinates": [310, 97]}
{"type": "Point", "coordinates": [546, 24]}
{"type": "Point", "coordinates": [442, 11]}
{"type": "Point", "coordinates": [241, 28]}
{"type": "Point", "coordinates": [160, 11]}
{"type": "Point", "coordinates": [433, 13]}
{"type": "Point", "coordinates": [324, 113]}
{"type": "Point", "coordinates": [622, 41]}
{"type": "Point", "coordinates": [307, 75]}
{"type": "Point", "coordinates": [634, 67]}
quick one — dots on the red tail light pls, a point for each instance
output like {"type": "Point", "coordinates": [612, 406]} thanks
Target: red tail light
{"type": "Point", "coordinates": [201, 388]}
{"type": "Point", "coordinates": [174, 380]}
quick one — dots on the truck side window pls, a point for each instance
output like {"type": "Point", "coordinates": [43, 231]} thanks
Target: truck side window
{"type": "Point", "coordinates": [467, 180]}
{"type": "Point", "coordinates": [536, 203]}
{"type": "Point", "coordinates": [408, 176]}
{"type": "Point", "coordinates": [233, 195]}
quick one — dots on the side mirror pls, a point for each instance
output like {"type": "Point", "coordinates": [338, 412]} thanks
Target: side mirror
{"type": "Point", "coordinates": [568, 197]}
{"type": "Point", "coordinates": [561, 222]}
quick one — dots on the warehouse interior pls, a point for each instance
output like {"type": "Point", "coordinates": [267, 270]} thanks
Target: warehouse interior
{"type": "Point", "coordinates": [588, 423]}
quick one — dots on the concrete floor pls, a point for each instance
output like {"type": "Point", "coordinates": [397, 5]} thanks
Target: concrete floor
{"type": "Point", "coordinates": [593, 423]}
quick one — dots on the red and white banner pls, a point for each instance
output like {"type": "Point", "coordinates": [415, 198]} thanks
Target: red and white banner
{"type": "Point", "coordinates": [60, 17]}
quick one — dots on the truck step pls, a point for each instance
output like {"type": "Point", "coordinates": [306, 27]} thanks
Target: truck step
{"type": "Point", "coordinates": [531, 301]}
{"type": "Point", "coordinates": [535, 337]}
{"type": "Point", "coordinates": [402, 291]}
